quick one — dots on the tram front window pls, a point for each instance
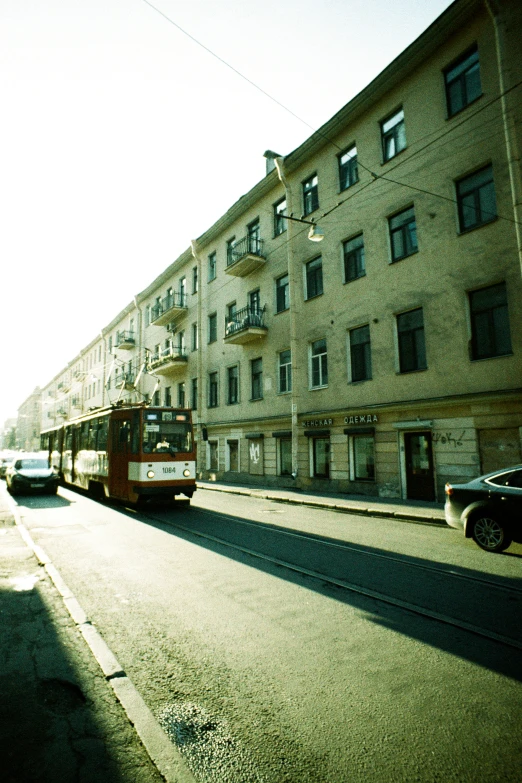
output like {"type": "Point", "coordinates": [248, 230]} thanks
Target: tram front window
{"type": "Point", "coordinates": [167, 437]}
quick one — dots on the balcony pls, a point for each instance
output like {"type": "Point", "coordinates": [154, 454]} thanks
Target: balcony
{"type": "Point", "coordinates": [167, 361]}
{"type": "Point", "coordinates": [125, 380]}
{"type": "Point", "coordinates": [245, 256]}
{"type": "Point", "coordinates": [170, 308]}
{"type": "Point", "coordinates": [245, 326]}
{"type": "Point", "coordinates": [125, 340]}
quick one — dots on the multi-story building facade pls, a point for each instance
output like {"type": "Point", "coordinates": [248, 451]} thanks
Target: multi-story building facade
{"type": "Point", "coordinates": [386, 359]}
{"type": "Point", "coordinates": [28, 422]}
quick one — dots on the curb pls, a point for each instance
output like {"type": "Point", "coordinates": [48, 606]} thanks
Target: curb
{"type": "Point", "coordinates": [163, 754]}
{"type": "Point", "coordinates": [388, 513]}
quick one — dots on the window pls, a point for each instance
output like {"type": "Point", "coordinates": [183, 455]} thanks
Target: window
{"type": "Point", "coordinates": [212, 267]}
{"type": "Point", "coordinates": [403, 234]}
{"type": "Point", "coordinates": [213, 390]}
{"type": "Point", "coordinates": [490, 333]}
{"type": "Point", "coordinates": [212, 328]}
{"type": "Point", "coordinates": [183, 292]}
{"type": "Point", "coordinates": [285, 456]}
{"type": "Point", "coordinates": [147, 315]}
{"type": "Point", "coordinates": [462, 81]}
{"type": "Point", "coordinates": [181, 345]}
{"type": "Point", "coordinates": [318, 364]}
{"type": "Point", "coordinates": [353, 252]}
{"type": "Point", "coordinates": [195, 336]}
{"type": "Point", "coordinates": [362, 457]}
{"type": "Point", "coordinates": [393, 135]}
{"type": "Point", "coordinates": [194, 394]}
{"type": "Point", "coordinates": [167, 397]}
{"type": "Point", "coordinates": [360, 354]}
{"type": "Point", "coordinates": [110, 344]}
{"type": "Point", "coordinates": [285, 371]}
{"type": "Point", "coordinates": [233, 385]}
{"type": "Point", "coordinates": [348, 173]}
{"type": "Point", "coordinates": [282, 294]}
{"type": "Point", "coordinates": [254, 237]}
{"type": "Point", "coordinates": [181, 394]}
{"type": "Point", "coordinates": [254, 302]}
{"type": "Point", "coordinates": [256, 367]}
{"type": "Point", "coordinates": [310, 195]}
{"type": "Point", "coordinates": [410, 333]}
{"type": "Point", "coordinates": [279, 220]}
{"type": "Point", "coordinates": [476, 199]}
{"type": "Point", "coordinates": [314, 278]}
{"type": "Point", "coordinates": [156, 398]}
{"type": "Point", "coordinates": [321, 457]}
{"type": "Point", "coordinates": [230, 251]}
{"type": "Point", "coordinates": [194, 279]}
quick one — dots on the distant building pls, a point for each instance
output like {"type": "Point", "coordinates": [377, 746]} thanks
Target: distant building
{"type": "Point", "coordinates": [28, 422]}
{"type": "Point", "coordinates": [387, 359]}
{"type": "Point", "coordinates": [8, 435]}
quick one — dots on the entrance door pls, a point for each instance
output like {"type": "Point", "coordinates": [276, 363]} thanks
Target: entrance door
{"type": "Point", "coordinates": [419, 466]}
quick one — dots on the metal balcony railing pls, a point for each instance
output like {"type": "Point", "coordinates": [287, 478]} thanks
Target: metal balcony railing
{"type": "Point", "coordinates": [125, 337]}
{"type": "Point", "coordinates": [249, 245]}
{"type": "Point", "coordinates": [124, 379]}
{"type": "Point", "coordinates": [176, 299]}
{"type": "Point", "coordinates": [173, 353]}
{"type": "Point", "coordinates": [245, 318]}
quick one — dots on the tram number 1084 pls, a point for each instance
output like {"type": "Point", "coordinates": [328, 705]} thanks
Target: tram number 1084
{"type": "Point", "coordinates": [127, 453]}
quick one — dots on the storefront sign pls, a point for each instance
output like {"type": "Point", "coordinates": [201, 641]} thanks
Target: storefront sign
{"type": "Point", "coordinates": [318, 423]}
{"type": "Point", "coordinates": [369, 418]}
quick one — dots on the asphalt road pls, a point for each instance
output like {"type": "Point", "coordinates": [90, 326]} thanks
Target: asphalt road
{"type": "Point", "coordinates": [276, 643]}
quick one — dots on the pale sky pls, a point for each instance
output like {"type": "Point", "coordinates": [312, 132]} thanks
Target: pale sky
{"type": "Point", "coordinates": [122, 140]}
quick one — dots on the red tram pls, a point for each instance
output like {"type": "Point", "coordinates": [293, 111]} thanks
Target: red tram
{"type": "Point", "coordinates": [126, 452]}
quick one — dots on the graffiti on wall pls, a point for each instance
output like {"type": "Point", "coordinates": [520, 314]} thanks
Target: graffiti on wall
{"type": "Point", "coordinates": [447, 438]}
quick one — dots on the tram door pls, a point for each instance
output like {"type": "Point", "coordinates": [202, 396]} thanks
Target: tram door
{"type": "Point", "coordinates": [419, 466]}
{"type": "Point", "coordinates": [120, 457]}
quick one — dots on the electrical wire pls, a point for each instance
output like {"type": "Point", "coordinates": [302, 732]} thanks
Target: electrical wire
{"type": "Point", "coordinates": [324, 135]}
{"type": "Point", "coordinates": [364, 186]}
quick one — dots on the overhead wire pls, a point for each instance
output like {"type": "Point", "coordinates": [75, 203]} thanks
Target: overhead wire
{"type": "Point", "coordinates": [324, 135]}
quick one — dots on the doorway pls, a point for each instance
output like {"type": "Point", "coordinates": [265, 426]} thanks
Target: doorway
{"type": "Point", "coordinates": [420, 478]}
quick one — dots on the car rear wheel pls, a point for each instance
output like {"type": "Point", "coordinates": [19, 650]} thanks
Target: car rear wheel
{"type": "Point", "coordinates": [490, 534]}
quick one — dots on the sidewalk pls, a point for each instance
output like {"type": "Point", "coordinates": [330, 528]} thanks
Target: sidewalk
{"type": "Point", "coordinates": [68, 713]}
{"type": "Point", "coordinates": [407, 510]}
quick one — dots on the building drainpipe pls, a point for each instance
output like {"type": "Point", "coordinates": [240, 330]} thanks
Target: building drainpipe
{"type": "Point", "coordinates": [293, 297]}
{"type": "Point", "coordinates": [201, 456]}
{"type": "Point", "coordinates": [512, 151]}
{"type": "Point", "coordinates": [140, 341]}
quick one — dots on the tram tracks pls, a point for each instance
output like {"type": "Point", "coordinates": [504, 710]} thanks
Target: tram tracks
{"type": "Point", "coordinates": [453, 580]}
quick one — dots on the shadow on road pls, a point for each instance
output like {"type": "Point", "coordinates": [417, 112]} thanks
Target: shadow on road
{"type": "Point", "coordinates": [453, 591]}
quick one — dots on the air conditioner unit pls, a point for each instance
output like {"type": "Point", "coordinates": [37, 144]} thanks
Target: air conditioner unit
{"type": "Point", "coordinates": [171, 327]}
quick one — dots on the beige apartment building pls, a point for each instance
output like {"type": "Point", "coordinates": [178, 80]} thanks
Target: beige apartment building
{"type": "Point", "coordinates": [28, 422]}
{"type": "Point", "coordinates": [385, 359]}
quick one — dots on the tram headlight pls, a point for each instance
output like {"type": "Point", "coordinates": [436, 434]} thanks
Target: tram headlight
{"type": "Point", "coordinates": [150, 474]}
{"type": "Point", "coordinates": [186, 472]}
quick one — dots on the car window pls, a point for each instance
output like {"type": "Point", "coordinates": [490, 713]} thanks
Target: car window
{"type": "Point", "coordinates": [515, 479]}
{"type": "Point", "coordinates": [511, 478]}
{"type": "Point", "coordinates": [31, 464]}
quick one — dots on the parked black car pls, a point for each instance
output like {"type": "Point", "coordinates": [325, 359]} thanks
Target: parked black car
{"type": "Point", "coordinates": [488, 508]}
{"type": "Point", "coordinates": [31, 473]}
